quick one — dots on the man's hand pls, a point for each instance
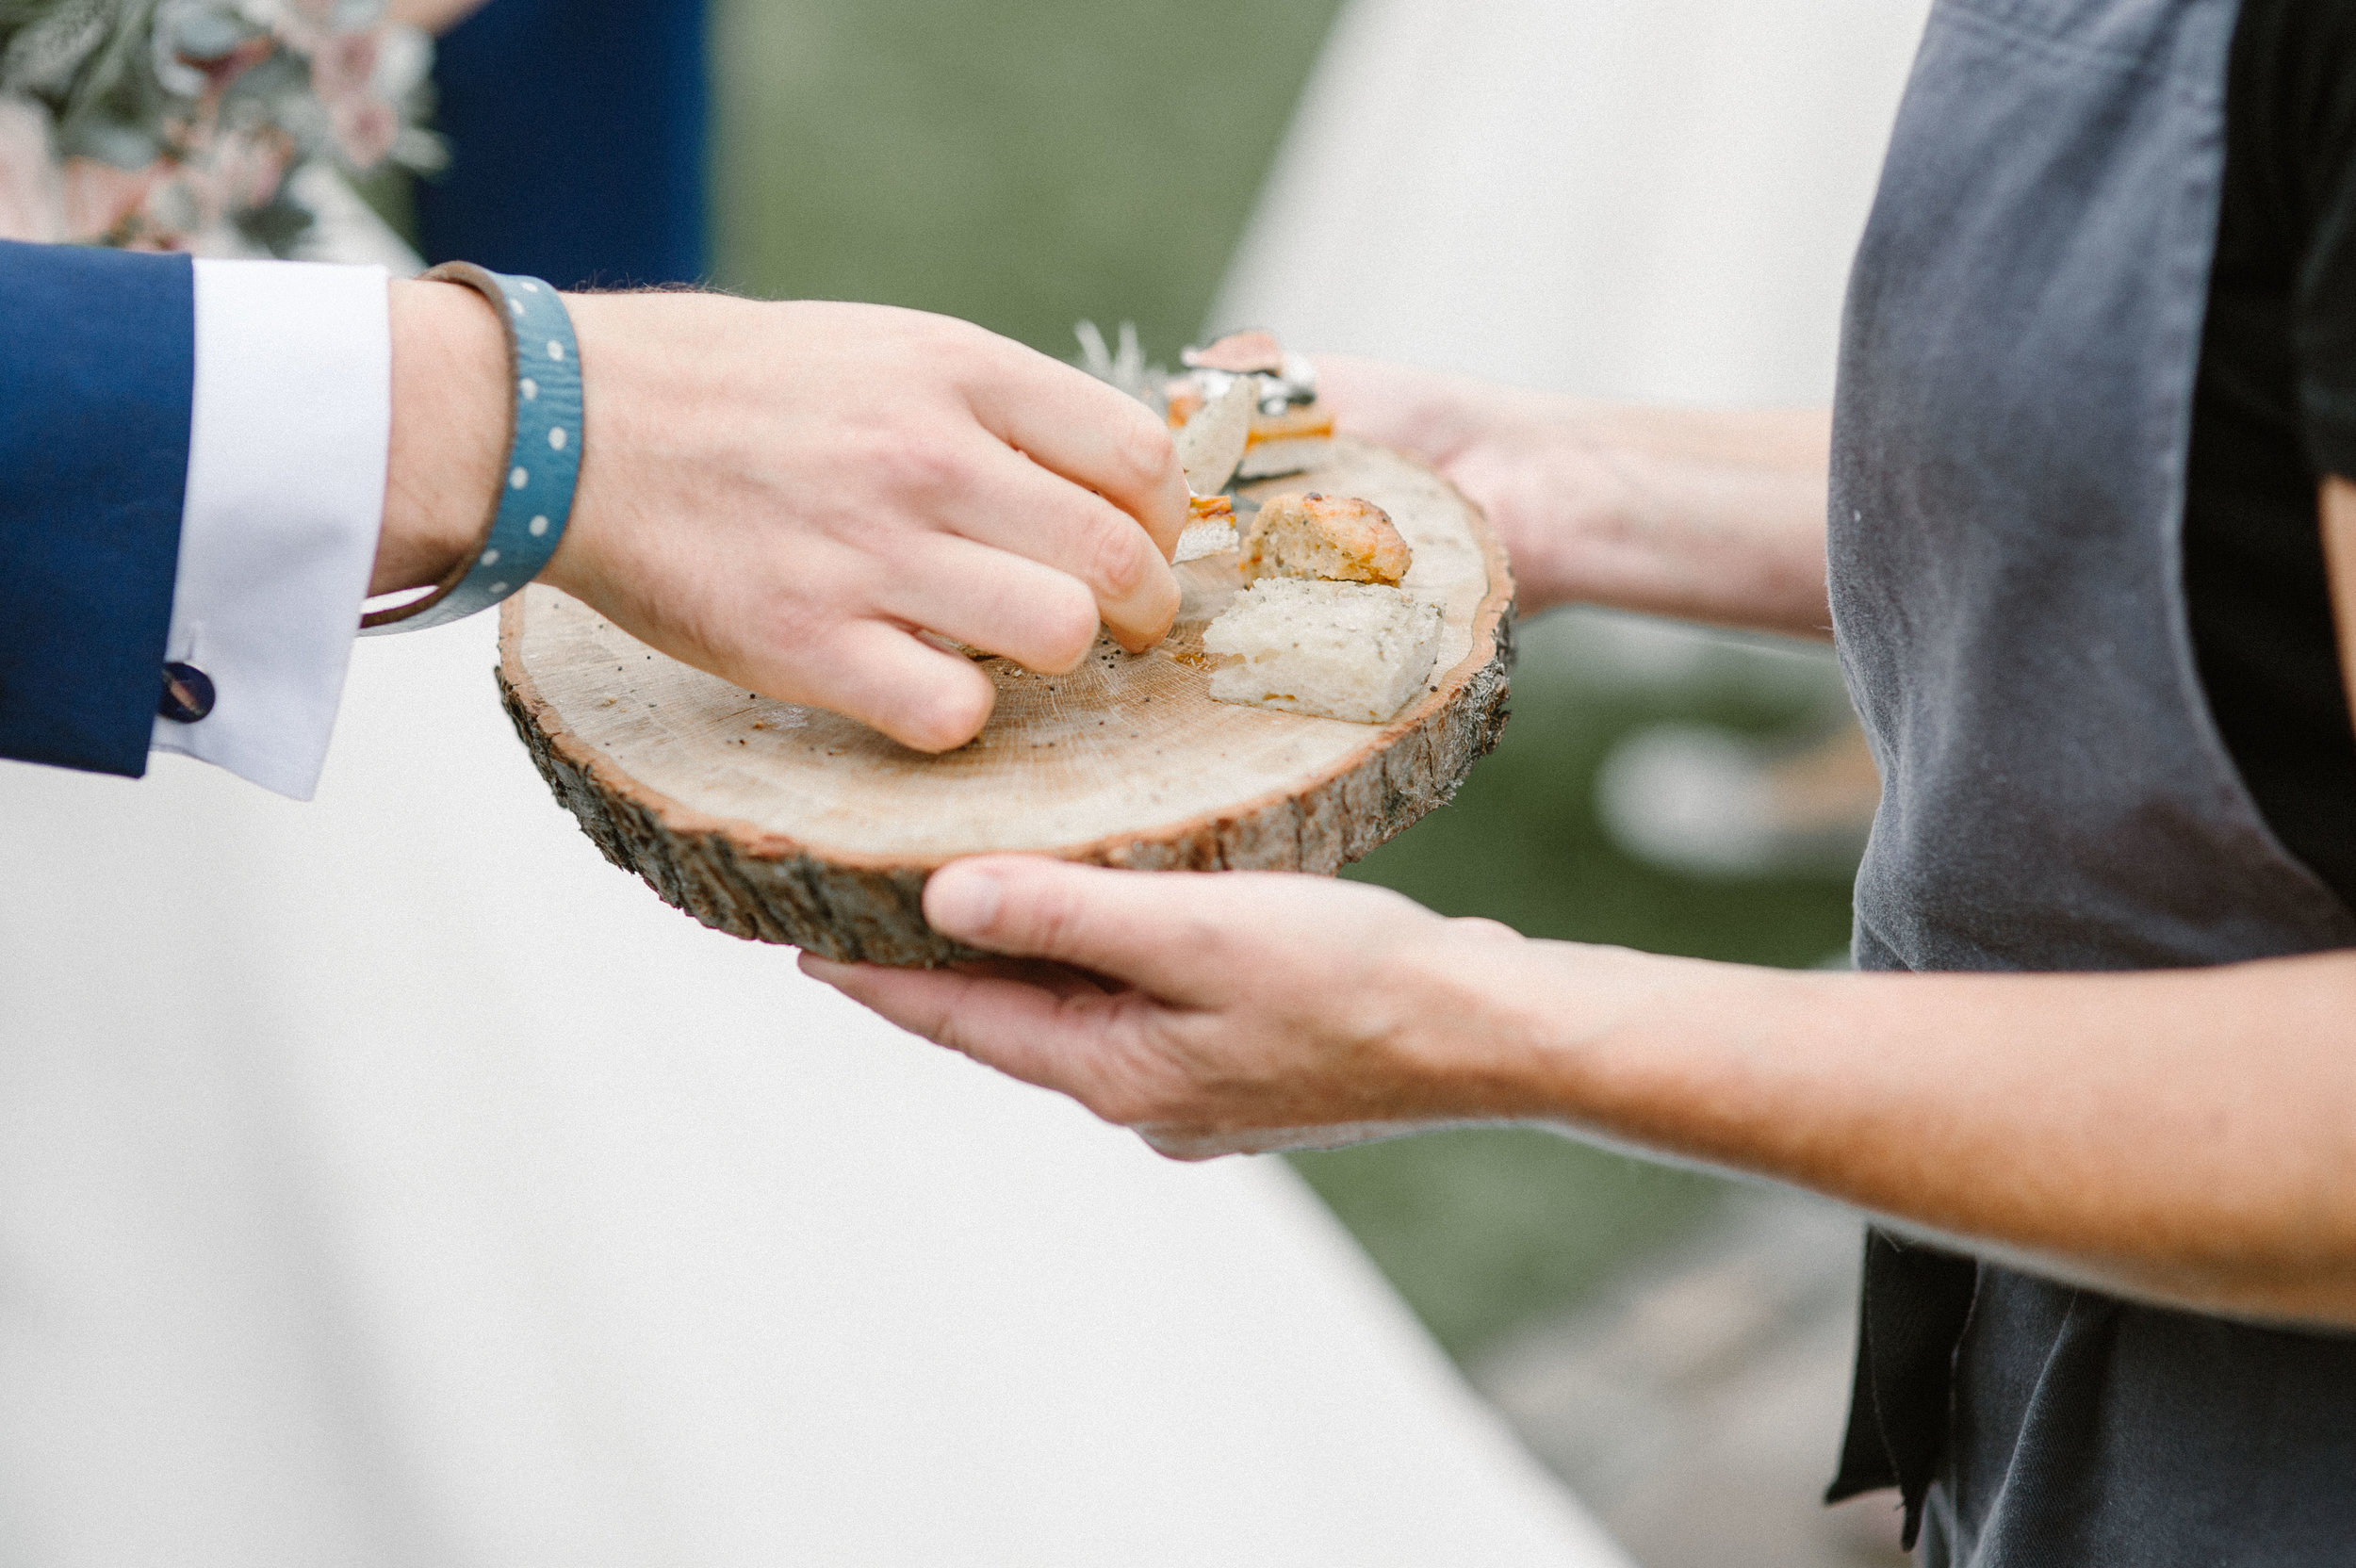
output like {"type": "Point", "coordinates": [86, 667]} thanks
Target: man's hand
{"type": "Point", "coordinates": [1214, 1014]}
{"type": "Point", "coordinates": [1711, 516]}
{"type": "Point", "coordinates": [785, 495]}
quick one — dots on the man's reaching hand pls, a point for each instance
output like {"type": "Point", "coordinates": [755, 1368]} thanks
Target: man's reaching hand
{"type": "Point", "coordinates": [786, 495]}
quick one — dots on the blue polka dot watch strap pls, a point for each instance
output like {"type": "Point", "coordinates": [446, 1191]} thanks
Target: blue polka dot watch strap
{"type": "Point", "coordinates": [543, 460]}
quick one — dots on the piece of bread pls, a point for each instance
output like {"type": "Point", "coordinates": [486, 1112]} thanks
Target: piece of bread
{"type": "Point", "coordinates": [1339, 650]}
{"type": "Point", "coordinates": [1338, 538]}
{"type": "Point", "coordinates": [1213, 443]}
{"type": "Point", "coordinates": [1210, 530]}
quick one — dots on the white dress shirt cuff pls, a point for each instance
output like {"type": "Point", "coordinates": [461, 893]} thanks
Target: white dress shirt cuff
{"type": "Point", "coordinates": [287, 446]}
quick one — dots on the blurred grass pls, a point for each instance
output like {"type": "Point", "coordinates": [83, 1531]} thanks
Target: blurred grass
{"type": "Point", "coordinates": [1021, 165]}
{"type": "Point", "coordinates": [1027, 164]}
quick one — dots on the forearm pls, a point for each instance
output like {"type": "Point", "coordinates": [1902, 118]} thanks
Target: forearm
{"type": "Point", "coordinates": [2183, 1136]}
{"type": "Point", "coordinates": [1711, 515]}
{"type": "Point", "coordinates": [451, 420]}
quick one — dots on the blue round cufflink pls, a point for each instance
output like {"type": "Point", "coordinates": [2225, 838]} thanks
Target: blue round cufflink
{"type": "Point", "coordinates": [188, 694]}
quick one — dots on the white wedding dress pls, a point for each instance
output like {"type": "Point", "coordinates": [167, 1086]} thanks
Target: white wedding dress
{"type": "Point", "coordinates": [1642, 199]}
{"type": "Point", "coordinates": [390, 1181]}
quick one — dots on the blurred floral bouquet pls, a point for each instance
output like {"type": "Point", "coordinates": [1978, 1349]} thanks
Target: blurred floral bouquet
{"type": "Point", "coordinates": [192, 125]}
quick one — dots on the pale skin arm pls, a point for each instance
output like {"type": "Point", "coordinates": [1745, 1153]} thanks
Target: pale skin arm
{"type": "Point", "coordinates": [786, 495]}
{"type": "Point", "coordinates": [1706, 515]}
{"type": "Point", "coordinates": [2184, 1138]}
{"type": "Point", "coordinates": [2337, 507]}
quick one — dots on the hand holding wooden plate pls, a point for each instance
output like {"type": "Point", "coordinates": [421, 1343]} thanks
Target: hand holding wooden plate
{"type": "Point", "coordinates": [786, 824]}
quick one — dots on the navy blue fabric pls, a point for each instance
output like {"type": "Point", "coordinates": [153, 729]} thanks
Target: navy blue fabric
{"type": "Point", "coordinates": [576, 139]}
{"type": "Point", "coordinates": [97, 374]}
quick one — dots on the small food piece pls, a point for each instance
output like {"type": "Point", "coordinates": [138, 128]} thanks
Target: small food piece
{"type": "Point", "coordinates": [1212, 442]}
{"type": "Point", "coordinates": [1339, 538]}
{"type": "Point", "coordinates": [1275, 419]}
{"type": "Point", "coordinates": [1210, 529]}
{"type": "Point", "coordinates": [1297, 422]}
{"type": "Point", "coordinates": [1284, 384]}
{"type": "Point", "coordinates": [1339, 650]}
{"type": "Point", "coordinates": [1203, 540]}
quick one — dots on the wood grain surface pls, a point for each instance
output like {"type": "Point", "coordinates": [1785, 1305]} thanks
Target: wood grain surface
{"type": "Point", "coordinates": [786, 824]}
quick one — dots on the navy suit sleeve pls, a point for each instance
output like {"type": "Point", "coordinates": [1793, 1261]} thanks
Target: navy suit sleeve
{"type": "Point", "coordinates": [97, 374]}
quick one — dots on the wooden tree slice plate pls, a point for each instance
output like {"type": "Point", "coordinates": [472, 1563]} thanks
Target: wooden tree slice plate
{"type": "Point", "coordinates": [785, 823]}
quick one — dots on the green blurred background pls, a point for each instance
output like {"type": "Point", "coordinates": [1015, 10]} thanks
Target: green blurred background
{"type": "Point", "coordinates": [1028, 165]}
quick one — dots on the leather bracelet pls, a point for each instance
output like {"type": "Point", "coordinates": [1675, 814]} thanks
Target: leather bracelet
{"type": "Point", "coordinates": [535, 499]}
